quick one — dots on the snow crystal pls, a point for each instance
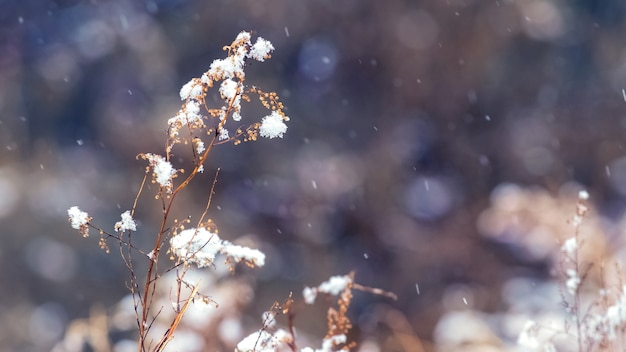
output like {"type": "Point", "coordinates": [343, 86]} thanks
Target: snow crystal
{"type": "Point", "coordinates": [192, 108]}
{"type": "Point", "coordinates": [78, 218]}
{"type": "Point", "coordinates": [584, 195]}
{"type": "Point", "coordinates": [191, 90]}
{"type": "Point", "coordinates": [197, 246]}
{"type": "Point", "coordinates": [569, 247]}
{"type": "Point", "coordinates": [243, 36]}
{"type": "Point", "coordinates": [327, 344]}
{"type": "Point", "coordinates": [239, 253]}
{"type": "Point", "coordinates": [163, 170]}
{"type": "Point", "coordinates": [309, 295]}
{"type": "Point", "coordinates": [573, 280]}
{"type": "Point", "coordinates": [223, 134]}
{"type": "Point", "coordinates": [528, 337]}
{"type": "Point", "coordinates": [199, 146]}
{"type": "Point", "coordinates": [184, 118]}
{"type": "Point", "coordinates": [261, 49]}
{"type": "Point", "coordinates": [335, 285]}
{"type": "Point", "coordinates": [229, 67]}
{"type": "Point", "coordinates": [228, 89]}
{"type": "Point", "coordinates": [201, 246]}
{"type": "Point", "coordinates": [127, 223]}
{"type": "Point", "coordinates": [273, 126]}
{"type": "Point", "coordinates": [263, 341]}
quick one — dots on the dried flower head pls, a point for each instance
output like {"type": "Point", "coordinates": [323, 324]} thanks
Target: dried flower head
{"type": "Point", "coordinates": [79, 220]}
{"type": "Point", "coordinates": [126, 224]}
{"type": "Point", "coordinates": [228, 74]}
{"type": "Point", "coordinates": [162, 170]}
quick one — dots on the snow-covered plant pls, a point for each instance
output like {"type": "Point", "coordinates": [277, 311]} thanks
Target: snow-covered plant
{"type": "Point", "coordinates": [595, 313]}
{"type": "Point", "coordinates": [198, 126]}
{"type": "Point", "coordinates": [270, 338]}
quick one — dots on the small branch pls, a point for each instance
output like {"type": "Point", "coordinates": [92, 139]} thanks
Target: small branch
{"type": "Point", "coordinates": [143, 182]}
{"type": "Point", "coordinates": [170, 331]}
{"type": "Point", "coordinates": [376, 291]}
{"type": "Point", "coordinates": [208, 204]}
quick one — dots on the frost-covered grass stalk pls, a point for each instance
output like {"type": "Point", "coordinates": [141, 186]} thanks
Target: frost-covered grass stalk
{"type": "Point", "coordinates": [199, 127]}
{"type": "Point", "coordinates": [598, 317]}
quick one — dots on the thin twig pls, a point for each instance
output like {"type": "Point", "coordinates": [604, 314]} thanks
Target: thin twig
{"type": "Point", "coordinates": [170, 331]}
{"type": "Point", "coordinates": [208, 203]}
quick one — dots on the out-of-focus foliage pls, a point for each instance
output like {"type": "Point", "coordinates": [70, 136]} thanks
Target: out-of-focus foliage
{"type": "Point", "coordinates": [405, 116]}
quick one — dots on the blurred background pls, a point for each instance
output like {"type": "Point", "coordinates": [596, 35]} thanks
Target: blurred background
{"type": "Point", "coordinates": [435, 148]}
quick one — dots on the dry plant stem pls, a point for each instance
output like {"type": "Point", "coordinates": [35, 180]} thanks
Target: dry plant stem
{"type": "Point", "coordinates": [287, 309]}
{"type": "Point", "coordinates": [128, 261]}
{"type": "Point", "coordinates": [577, 295]}
{"type": "Point", "coordinates": [143, 183]}
{"type": "Point", "coordinates": [116, 237]}
{"type": "Point", "coordinates": [179, 285]}
{"type": "Point", "coordinates": [170, 331]}
{"type": "Point", "coordinates": [236, 136]}
{"type": "Point", "coordinates": [208, 204]}
{"type": "Point", "coordinates": [151, 277]}
{"type": "Point", "coordinates": [376, 291]}
{"type": "Point", "coordinates": [291, 317]}
{"type": "Point", "coordinates": [133, 286]}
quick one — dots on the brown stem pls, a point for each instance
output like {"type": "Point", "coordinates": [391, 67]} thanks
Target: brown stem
{"type": "Point", "coordinates": [208, 204]}
{"type": "Point", "coordinates": [150, 283]}
{"type": "Point", "coordinates": [170, 331]}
